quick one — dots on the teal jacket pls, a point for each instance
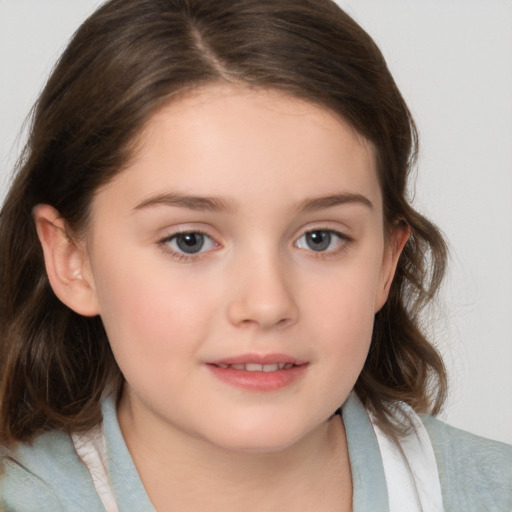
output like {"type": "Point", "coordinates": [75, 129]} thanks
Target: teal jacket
{"type": "Point", "coordinates": [47, 476]}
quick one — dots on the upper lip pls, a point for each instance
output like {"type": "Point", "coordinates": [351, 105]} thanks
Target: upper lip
{"type": "Point", "coordinates": [259, 359]}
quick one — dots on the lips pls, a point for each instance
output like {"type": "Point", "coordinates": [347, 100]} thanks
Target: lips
{"type": "Point", "coordinates": [261, 359]}
{"type": "Point", "coordinates": [255, 372]}
{"type": "Point", "coordinates": [255, 367]}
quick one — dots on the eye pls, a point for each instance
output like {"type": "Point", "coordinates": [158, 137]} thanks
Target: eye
{"type": "Point", "coordinates": [321, 240]}
{"type": "Point", "coordinates": [190, 242]}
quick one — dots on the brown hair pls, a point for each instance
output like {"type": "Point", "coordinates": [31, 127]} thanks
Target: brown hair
{"type": "Point", "coordinates": [124, 63]}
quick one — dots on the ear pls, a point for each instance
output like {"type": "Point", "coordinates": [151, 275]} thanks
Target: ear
{"type": "Point", "coordinates": [395, 243]}
{"type": "Point", "coordinates": [66, 261]}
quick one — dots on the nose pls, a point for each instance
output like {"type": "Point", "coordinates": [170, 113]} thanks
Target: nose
{"type": "Point", "coordinates": [262, 294]}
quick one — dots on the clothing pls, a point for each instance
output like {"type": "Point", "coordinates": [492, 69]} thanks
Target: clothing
{"type": "Point", "coordinates": [410, 466]}
{"type": "Point", "coordinates": [48, 476]}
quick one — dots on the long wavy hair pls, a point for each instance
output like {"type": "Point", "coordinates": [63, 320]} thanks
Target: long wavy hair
{"type": "Point", "coordinates": [123, 64]}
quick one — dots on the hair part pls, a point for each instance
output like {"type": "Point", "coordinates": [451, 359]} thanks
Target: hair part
{"type": "Point", "coordinates": [122, 65]}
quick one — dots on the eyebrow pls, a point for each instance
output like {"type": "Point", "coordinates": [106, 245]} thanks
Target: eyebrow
{"type": "Point", "coordinates": [218, 204]}
{"type": "Point", "coordinates": [323, 202]}
{"type": "Point", "coordinates": [198, 203]}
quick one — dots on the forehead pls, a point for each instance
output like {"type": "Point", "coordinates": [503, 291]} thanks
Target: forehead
{"type": "Point", "coordinates": [249, 145]}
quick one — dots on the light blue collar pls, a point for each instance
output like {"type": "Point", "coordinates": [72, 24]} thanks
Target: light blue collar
{"type": "Point", "coordinates": [370, 492]}
{"type": "Point", "coordinates": [369, 482]}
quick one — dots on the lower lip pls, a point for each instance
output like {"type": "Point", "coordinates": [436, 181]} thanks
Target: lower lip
{"type": "Point", "coordinates": [259, 381]}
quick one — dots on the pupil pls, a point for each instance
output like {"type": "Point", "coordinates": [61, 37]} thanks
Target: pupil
{"type": "Point", "coordinates": [190, 242]}
{"type": "Point", "coordinates": [318, 240]}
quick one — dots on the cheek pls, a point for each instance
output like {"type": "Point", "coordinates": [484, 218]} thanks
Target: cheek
{"type": "Point", "coordinates": [151, 312]}
{"type": "Point", "coordinates": [347, 327]}
{"type": "Point", "coordinates": [343, 315]}
{"type": "Point", "coordinates": [346, 298]}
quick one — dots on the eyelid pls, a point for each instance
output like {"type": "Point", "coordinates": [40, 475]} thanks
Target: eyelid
{"type": "Point", "coordinates": [344, 241]}
{"type": "Point", "coordinates": [332, 227]}
{"type": "Point", "coordinates": [164, 244]}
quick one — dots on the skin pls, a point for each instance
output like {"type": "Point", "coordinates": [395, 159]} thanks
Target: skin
{"type": "Point", "coordinates": [255, 287]}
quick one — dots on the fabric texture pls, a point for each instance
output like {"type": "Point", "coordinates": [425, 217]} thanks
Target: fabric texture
{"type": "Point", "coordinates": [48, 476]}
{"type": "Point", "coordinates": [91, 448]}
{"type": "Point", "coordinates": [410, 466]}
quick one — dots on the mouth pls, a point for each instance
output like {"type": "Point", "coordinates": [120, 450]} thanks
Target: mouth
{"type": "Point", "coordinates": [259, 373]}
{"type": "Point", "coordinates": [255, 367]}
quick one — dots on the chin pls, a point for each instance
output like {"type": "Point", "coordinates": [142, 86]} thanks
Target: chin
{"type": "Point", "coordinates": [263, 446]}
{"type": "Point", "coordinates": [268, 438]}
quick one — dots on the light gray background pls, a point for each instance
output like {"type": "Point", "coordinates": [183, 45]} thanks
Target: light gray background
{"type": "Point", "coordinates": [452, 60]}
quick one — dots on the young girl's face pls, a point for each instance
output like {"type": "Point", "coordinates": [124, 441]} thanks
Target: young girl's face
{"type": "Point", "coordinates": [237, 265]}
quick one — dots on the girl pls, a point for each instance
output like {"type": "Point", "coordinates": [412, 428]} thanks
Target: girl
{"type": "Point", "coordinates": [211, 277]}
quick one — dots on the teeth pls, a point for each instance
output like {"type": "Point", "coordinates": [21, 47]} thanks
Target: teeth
{"type": "Point", "coordinates": [255, 367]}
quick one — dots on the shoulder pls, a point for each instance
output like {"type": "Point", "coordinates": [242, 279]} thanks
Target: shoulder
{"type": "Point", "coordinates": [475, 473]}
{"type": "Point", "coordinates": [45, 475]}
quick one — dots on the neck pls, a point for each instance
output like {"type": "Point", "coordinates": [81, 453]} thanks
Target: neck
{"type": "Point", "coordinates": [189, 474]}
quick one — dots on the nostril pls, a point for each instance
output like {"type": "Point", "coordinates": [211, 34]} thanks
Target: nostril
{"type": "Point", "coordinates": [265, 323]}
{"type": "Point", "coordinates": [284, 322]}
{"type": "Point", "coordinates": [264, 303]}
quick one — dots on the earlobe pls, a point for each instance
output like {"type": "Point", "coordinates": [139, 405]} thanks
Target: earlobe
{"type": "Point", "coordinates": [66, 262]}
{"type": "Point", "coordinates": [394, 246]}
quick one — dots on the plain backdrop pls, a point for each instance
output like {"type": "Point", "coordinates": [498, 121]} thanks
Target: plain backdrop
{"type": "Point", "coordinates": [452, 60]}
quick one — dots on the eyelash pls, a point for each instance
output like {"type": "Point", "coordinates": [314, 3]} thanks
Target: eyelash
{"type": "Point", "coordinates": [344, 242]}
{"type": "Point", "coordinates": [183, 256]}
{"type": "Point", "coordinates": [164, 243]}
